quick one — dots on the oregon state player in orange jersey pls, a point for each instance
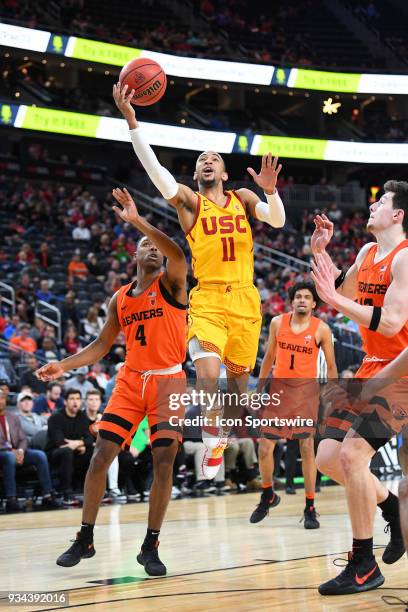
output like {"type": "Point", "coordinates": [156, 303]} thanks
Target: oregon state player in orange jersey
{"type": "Point", "coordinates": [224, 307]}
{"type": "Point", "coordinates": [294, 342]}
{"type": "Point", "coordinates": [151, 311]}
{"type": "Point", "coordinates": [374, 294]}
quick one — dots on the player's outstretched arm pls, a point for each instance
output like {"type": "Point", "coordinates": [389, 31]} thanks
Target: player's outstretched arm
{"type": "Point", "coordinates": [178, 195]}
{"type": "Point", "coordinates": [90, 354]}
{"type": "Point", "coordinates": [272, 211]}
{"type": "Point", "coordinates": [176, 270]}
{"type": "Point", "coordinates": [387, 320]}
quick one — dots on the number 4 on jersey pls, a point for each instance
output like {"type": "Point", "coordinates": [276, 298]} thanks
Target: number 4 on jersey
{"type": "Point", "coordinates": [140, 335]}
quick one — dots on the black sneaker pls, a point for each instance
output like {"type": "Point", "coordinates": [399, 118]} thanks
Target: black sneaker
{"type": "Point", "coordinates": [395, 547]}
{"type": "Point", "coordinates": [357, 576]}
{"type": "Point", "coordinates": [290, 490]}
{"type": "Point", "coordinates": [80, 549]}
{"type": "Point", "coordinates": [51, 503]}
{"type": "Point", "coordinates": [13, 505]}
{"type": "Point", "coordinates": [310, 518]}
{"type": "Point", "coordinates": [263, 507]}
{"type": "Point", "coordinates": [149, 558]}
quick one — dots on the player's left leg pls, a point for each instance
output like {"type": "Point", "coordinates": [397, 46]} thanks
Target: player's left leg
{"type": "Point", "coordinates": [309, 469]}
{"type": "Point", "coordinates": [164, 451]}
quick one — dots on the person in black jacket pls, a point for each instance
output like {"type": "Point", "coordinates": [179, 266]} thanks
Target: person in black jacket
{"type": "Point", "coordinates": [70, 443]}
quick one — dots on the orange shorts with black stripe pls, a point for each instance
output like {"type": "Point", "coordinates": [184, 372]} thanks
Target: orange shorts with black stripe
{"type": "Point", "coordinates": [136, 395]}
{"type": "Point", "coordinates": [376, 421]}
{"type": "Point", "coordinates": [293, 410]}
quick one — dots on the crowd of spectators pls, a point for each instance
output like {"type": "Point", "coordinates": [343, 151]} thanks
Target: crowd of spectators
{"type": "Point", "coordinates": [62, 246]}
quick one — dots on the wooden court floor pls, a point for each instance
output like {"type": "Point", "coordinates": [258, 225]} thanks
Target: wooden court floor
{"type": "Point", "coordinates": [216, 559]}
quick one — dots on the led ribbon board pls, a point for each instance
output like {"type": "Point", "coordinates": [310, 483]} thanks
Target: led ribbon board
{"type": "Point", "coordinates": [204, 69]}
{"type": "Point", "coordinates": [176, 137]}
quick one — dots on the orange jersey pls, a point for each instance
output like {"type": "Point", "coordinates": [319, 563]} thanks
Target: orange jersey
{"type": "Point", "coordinates": [155, 327]}
{"type": "Point", "coordinates": [296, 354]}
{"type": "Point", "coordinates": [373, 282]}
{"type": "Point", "coordinates": [221, 242]}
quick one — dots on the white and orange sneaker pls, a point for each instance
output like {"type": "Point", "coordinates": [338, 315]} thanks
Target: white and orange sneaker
{"type": "Point", "coordinates": [214, 452]}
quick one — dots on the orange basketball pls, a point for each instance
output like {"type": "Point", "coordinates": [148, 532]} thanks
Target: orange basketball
{"type": "Point", "coordinates": [147, 78]}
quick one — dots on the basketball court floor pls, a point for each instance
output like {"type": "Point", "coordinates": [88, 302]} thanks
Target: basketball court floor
{"type": "Point", "coordinates": [216, 559]}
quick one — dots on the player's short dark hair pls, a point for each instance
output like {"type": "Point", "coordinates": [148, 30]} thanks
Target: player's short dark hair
{"type": "Point", "coordinates": [400, 198]}
{"type": "Point", "coordinates": [71, 391]}
{"type": "Point", "coordinates": [93, 392]}
{"type": "Point", "coordinates": [303, 285]}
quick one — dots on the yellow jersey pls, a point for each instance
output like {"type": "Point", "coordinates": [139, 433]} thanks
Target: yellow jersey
{"type": "Point", "coordinates": [221, 242]}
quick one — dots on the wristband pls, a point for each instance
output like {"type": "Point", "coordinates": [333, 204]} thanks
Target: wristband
{"type": "Point", "coordinates": [340, 279]}
{"type": "Point", "coordinates": [375, 319]}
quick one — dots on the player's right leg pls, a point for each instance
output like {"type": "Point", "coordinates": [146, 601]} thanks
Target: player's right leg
{"type": "Point", "coordinates": [269, 499]}
{"type": "Point", "coordinates": [95, 483]}
{"type": "Point", "coordinates": [309, 470]}
{"type": "Point", "coordinates": [403, 505]}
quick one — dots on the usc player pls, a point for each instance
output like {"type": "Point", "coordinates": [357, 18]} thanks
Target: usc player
{"type": "Point", "coordinates": [224, 307]}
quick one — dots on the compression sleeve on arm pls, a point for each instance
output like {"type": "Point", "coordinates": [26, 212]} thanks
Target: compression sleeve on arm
{"type": "Point", "coordinates": [272, 211]}
{"type": "Point", "coordinates": [160, 176]}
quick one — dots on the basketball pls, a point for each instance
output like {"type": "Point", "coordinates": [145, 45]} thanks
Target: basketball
{"type": "Point", "coordinates": [147, 78]}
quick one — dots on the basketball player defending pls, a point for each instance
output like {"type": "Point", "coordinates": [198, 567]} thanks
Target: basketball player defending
{"type": "Point", "coordinates": [151, 312]}
{"type": "Point", "coordinates": [374, 294]}
{"type": "Point", "coordinates": [293, 345]}
{"type": "Point", "coordinates": [224, 307]}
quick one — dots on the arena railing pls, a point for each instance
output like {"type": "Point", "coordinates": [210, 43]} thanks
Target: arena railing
{"type": "Point", "coordinates": [44, 311]}
{"type": "Point", "coordinates": [9, 298]}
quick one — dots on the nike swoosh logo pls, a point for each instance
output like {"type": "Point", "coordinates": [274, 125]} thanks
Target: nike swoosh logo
{"type": "Point", "coordinates": [364, 269]}
{"type": "Point", "coordinates": [364, 578]}
{"type": "Point", "coordinates": [123, 307]}
{"type": "Point", "coordinates": [205, 209]}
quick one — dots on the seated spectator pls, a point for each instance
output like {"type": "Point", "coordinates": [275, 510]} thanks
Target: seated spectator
{"type": "Point", "coordinates": [49, 350]}
{"type": "Point", "coordinates": [96, 268]}
{"type": "Point", "coordinates": [77, 268]}
{"type": "Point", "coordinates": [14, 452]}
{"type": "Point", "coordinates": [23, 341]}
{"type": "Point", "coordinates": [34, 426]}
{"type": "Point", "coordinates": [38, 330]}
{"type": "Point", "coordinates": [71, 341]}
{"type": "Point", "coordinates": [81, 232]}
{"type": "Point", "coordinates": [92, 324]}
{"type": "Point", "coordinates": [98, 377]}
{"type": "Point", "coordinates": [44, 293]}
{"type": "Point", "coordinates": [70, 444]}
{"type": "Point", "coordinates": [69, 311]}
{"type": "Point", "coordinates": [44, 257]}
{"type": "Point", "coordinates": [52, 400]}
{"type": "Point", "coordinates": [12, 327]}
{"type": "Point", "coordinates": [79, 382]}
{"type": "Point", "coordinates": [29, 378]}
{"type": "Point", "coordinates": [246, 448]}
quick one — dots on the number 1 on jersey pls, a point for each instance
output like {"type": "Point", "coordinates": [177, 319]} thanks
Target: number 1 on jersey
{"type": "Point", "coordinates": [228, 249]}
{"type": "Point", "coordinates": [292, 362]}
{"type": "Point", "coordinates": [140, 335]}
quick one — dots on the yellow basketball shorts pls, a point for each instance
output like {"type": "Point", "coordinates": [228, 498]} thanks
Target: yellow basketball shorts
{"type": "Point", "coordinates": [227, 319]}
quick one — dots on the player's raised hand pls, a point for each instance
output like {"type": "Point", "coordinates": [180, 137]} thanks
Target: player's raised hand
{"type": "Point", "coordinates": [267, 177]}
{"type": "Point", "coordinates": [128, 212]}
{"type": "Point", "coordinates": [122, 99]}
{"type": "Point", "coordinates": [51, 371]}
{"type": "Point", "coordinates": [323, 277]}
{"type": "Point", "coordinates": [322, 234]}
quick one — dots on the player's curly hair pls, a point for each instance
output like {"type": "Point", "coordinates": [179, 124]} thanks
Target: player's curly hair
{"type": "Point", "coordinates": [303, 285]}
{"type": "Point", "coordinates": [400, 198]}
